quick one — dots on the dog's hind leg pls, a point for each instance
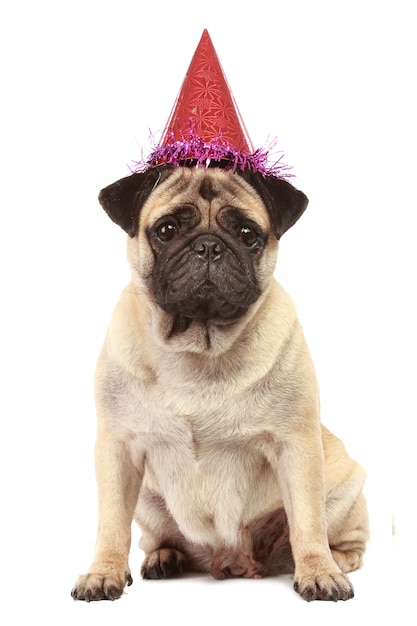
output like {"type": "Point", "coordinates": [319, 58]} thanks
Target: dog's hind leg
{"type": "Point", "coordinates": [346, 510]}
{"type": "Point", "coordinates": [348, 534]}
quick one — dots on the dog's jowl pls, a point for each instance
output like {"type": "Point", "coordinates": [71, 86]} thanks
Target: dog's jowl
{"type": "Point", "coordinates": [209, 433]}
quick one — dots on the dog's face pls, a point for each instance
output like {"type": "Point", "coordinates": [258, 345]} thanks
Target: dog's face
{"type": "Point", "coordinates": [203, 243]}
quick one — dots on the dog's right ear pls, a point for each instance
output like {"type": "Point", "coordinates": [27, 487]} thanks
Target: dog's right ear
{"type": "Point", "coordinates": [124, 199]}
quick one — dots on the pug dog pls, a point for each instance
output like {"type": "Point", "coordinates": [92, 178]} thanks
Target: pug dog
{"type": "Point", "coordinates": [209, 433]}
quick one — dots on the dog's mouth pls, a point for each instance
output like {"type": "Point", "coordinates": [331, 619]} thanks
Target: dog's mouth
{"type": "Point", "coordinates": [208, 303]}
{"type": "Point", "coordinates": [206, 316]}
{"type": "Point", "coordinates": [182, 323]}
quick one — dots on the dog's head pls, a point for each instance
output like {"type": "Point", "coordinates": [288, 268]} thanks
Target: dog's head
{"type": "Point", "coordinates": [202, 243]}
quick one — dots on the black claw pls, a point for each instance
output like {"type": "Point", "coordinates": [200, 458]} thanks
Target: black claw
{"type": "Point", "coordinates": [146, 574]}
{"type": "Point", "coordinates": [309, 595]}
{"type": "Point", "coordinates": [87, 596]}
{"type": "Point", "coordinates": [346, 594]}
{"type": "Point", "coordinates": [74, 594]}
{"type": "Point", "coordinates": [129, 580]}
{"type": "Point", "coordinates": [109, 594]}
{"type": "Point", "coordinates": [334, 594]}
{"type": "Point", "coordinates": [153, 573]}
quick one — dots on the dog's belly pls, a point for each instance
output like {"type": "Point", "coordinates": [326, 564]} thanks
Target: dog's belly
{"type": "Point", "coordinates": [212, 491]}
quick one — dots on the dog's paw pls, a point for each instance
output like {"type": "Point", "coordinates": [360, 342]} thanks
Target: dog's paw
{"type": "Point", "coordinates": [325, 586]}
{"type": "Point", "coordinates": [347, 560]}
{"type": "Point", "coordinates": [91, 587]}
{"type": "Point", "coordinates": [163, 563]}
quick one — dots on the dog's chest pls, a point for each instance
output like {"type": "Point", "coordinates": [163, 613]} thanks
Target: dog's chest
{"type": "Point", "coordinates": [211, 471]}
{"type": "Point", "coordinates": [204, 446]}
{"type": "Point", "coordinates": [211, 487]}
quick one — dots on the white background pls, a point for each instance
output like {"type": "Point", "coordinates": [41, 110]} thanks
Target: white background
{"type": "Point", "coordinates": [81, 85]}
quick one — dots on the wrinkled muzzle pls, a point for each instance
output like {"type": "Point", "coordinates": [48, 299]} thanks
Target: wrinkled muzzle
{"type": "Point", "coordinates": [205, 280]}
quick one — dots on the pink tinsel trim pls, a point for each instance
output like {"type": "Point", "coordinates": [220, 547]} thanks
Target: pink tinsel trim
{"type": "Point", "coordinates": [194, 151]}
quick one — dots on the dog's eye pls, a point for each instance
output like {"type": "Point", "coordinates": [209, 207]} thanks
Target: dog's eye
{"type": "Point", "coordinates": [247, 235]}
{"type": "Point", "coordinates": [167, 231]}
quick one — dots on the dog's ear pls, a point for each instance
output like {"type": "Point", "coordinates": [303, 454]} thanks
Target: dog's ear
{"type": "Point", "coordinates": [124, 199]}
{"type": "Point", "coordinates": [284, 203]}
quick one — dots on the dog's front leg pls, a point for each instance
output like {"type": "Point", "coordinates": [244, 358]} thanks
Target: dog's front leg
{"type": "Point", "coordinates": [118, 483]}
{"type": "Point", "coordinates": [300, 470]}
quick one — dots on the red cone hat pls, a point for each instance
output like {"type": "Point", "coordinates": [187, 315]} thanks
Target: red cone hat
{"type": "Point", "coordinates": [205, 105]}
{"type": "Point", "coordinates": [205, 127]}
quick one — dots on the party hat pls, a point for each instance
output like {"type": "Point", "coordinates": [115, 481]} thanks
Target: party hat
{"type": "Point", "coordinates": [205, 103]}
{"type": "Point", "coordinates": [205, 126]}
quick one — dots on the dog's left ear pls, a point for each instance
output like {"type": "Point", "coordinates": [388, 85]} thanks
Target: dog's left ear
{"type": "Point", "coordinates": [284, 203]}
{"type": "Point", "coordinates": [124, 199]}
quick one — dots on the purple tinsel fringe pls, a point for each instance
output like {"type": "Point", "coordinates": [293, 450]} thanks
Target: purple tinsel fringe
{"type": "Point", "coordinates": [194, 151]}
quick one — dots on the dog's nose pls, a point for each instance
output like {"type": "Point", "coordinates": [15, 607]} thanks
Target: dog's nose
{"type": "Point", "coordinates": [208, 247]}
